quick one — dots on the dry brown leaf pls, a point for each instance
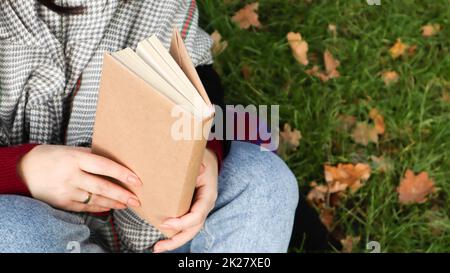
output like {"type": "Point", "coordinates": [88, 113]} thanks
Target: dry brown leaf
{"type": "Point", "coordinates": [326, 196]}
{"type": "Point", "coordinates": [348, 174]}
{"type": "Point", "coordinates": [348, 243]}
{"type": "Point", "coordinates": [313, 71]}
{"type": "Point", "coordinates": [412, 50]}
{"type": "Point", "coordinates": [218, 45]}
{"type": "Point", "coordinates": [390, 77]}
{"type": "Point", "coordinates": [299, 47]}
{"type": "Point", "coordinates": [430, 30]}
{"type": "Point", "coordinates": [290, 137]}
{"type": "Point", "coordinates": [246, 72]}
{"type": "Point", "coordinates": [327, 218]}
{"type": "Point", "coordinates": [336, 186]}
{"type": "Point", "coordinates": [321, 190]}
{"type": "Point", "coordinates": [317, 195]}
{"type": "Point", "coordinates": [346, 122]}
{"type": "Point", "coordinates": [398, 49]}
{"type": "Point", "coordinates": [331, 65]}
{"type": "Point", "coordinates": [378, 121]}
{"type": "Point", "coordinates": [382, 164]}
{"type": "Point", "coordinates": [335, 199]}
{"type": "Point", "coordinates": [364, 133]}
{"type": "Point", "coordinates": [415, 188]}
{"type": "Point", "coordinates": [247, 16]}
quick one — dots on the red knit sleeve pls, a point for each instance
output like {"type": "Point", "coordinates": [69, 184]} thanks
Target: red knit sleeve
{"type": "Point", "coordinates": [217, 147]}
{"type": "Point", "coordinates": [10, 181]}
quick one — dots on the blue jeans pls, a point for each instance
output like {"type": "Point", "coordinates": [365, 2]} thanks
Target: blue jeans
{"type": "Point", "coordinates": [254, 212]}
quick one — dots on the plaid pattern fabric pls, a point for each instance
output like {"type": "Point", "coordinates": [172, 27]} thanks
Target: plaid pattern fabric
{"type": "Point", "coordinates": [44, 55]}
{"type": "Point", "coordinates": [135, 233]}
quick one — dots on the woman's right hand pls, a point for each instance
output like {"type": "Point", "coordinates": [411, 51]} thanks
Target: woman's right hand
{"type": "Point", "coordinates": [64, 177]}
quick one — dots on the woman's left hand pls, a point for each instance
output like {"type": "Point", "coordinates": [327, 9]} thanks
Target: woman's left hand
{"type": "Point", "coordinates": [204, 200]}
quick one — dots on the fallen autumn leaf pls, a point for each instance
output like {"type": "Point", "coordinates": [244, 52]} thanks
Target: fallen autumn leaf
{"type": "Point", "coordinates": [247, 16]}
{"type": "Point", "coordinates": [364, 133]}
{"type": "Point", "coordinates": [218, 45]}
{"type": "Point", "coordinates": [398, 49]}
{"type": "Point", "coordinates": [290, 137]}
{"type": "Point", "coordinates": [390, 77]}
{"type": "Point", "coordinates": [299, 47]}
{"type": "Point", "coordinates": [331, 65]}
{"type": "Point", "coordinates": [348, 174]}
{"type": "Point", "coordinates": [430, 30]}
{"type": "Point", "coordinates": [415, 188]}
{"type": "Point", "coordinates": [348, 243]}
{"type": "Point", "coordinates": [378, 119]}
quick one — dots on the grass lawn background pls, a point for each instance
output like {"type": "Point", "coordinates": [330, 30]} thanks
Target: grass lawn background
{"type": "Point", "coordinates": [416, 112]}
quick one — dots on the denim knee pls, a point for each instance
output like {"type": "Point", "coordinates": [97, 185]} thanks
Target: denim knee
{"type": "Point", "coordinates": [28, 225]}
{"type": "Point", "coordinates": [271, 178]}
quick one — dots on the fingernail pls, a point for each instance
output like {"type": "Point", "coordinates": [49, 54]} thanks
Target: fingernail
{"type": "Point", "coordinates": [158, 250]}
{"type": "Point", "coordinates": [121, 206]}
{"type": "Point", "coordinates": [133, 202]}
{"type": "Point", "coordinates": [132, 179]}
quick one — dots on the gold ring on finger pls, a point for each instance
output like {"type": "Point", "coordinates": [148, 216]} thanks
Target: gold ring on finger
{"type": "Point", "coordinates": [88, 199]}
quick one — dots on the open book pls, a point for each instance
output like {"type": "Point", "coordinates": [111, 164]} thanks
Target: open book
{"type": "Point", "coordinates": [135, 121]}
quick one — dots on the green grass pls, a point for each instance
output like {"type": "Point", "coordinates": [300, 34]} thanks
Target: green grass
{"type": "Point", "coordinates": [417, 119]}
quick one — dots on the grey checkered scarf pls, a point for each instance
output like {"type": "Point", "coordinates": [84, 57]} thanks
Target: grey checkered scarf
{"type": "Point", "coordinates": [44, 56]}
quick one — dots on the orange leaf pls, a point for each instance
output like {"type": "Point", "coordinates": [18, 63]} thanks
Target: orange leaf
{"type": "Point", "coordinates": [299, 47]}
{"type": "Point", "coordinates": [218, 45]}
{"type": "Point", "coordinates": [390, 77]}
{"type": "Point", "coordinates": [317, 195]}
{"type": "Point", "coordinates": [412, 50]}
{"type": "Point", "coordinates": [326, 196]}
{"type": "Point", "coordinates": [314, 71]}
{"type": "Point", "coordinates": [331, 65]}
{"type": "Point", "coordinates": [415, 188]}
{"type": "Point", "coordinates": [348, 174]}
{"type": "Point", "coordinates": [247, 16]}
{"type": "Point", "coordinates": [364, 134]}
{"type": "Point", "coordinates": [290, 137]}
{"type": "Point", "coordinates": [430, 30]}
{"type": "Point", "coordinates": [378, 120]}
{"type": "Point", "coordinates": [327, 218]}
{"type": "Point", "coordinates": [348, 243]}
{"type": "Point", "coordinates": [398, 49]}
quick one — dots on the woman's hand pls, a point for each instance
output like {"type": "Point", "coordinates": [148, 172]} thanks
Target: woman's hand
{"type": "Point", "coordinates": [64, 177]}
{"type": "Point", "coordinates": [204, 200]}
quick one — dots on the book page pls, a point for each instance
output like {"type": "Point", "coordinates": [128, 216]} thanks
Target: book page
{"type": "Point", "coordinates": [155, 55]}
{"type": "Point", "coordinates": [181, 56]}
{"type": "Point", "coordinates": [132, 61]}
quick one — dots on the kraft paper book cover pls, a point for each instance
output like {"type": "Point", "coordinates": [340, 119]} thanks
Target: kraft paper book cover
{"type": "Point", "coordinates": [134, 122]}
